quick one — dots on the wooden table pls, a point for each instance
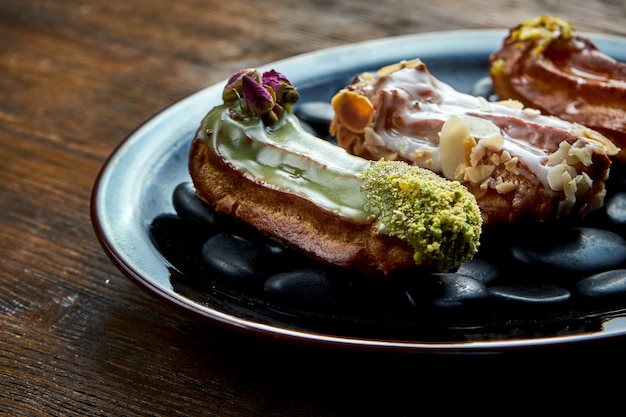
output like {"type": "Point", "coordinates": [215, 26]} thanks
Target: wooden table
{"type": "Point", "coordinates": [76, 337]}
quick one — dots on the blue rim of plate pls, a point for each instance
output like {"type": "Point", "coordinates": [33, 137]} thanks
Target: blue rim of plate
{"type": "Point", "coordinates": [136, 181]}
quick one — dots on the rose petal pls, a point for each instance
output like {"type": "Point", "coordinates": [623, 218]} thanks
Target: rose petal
{"type": "Point", "coordinates": [233, 89]}
{"type": "Point", "coordinates": [257, 97]}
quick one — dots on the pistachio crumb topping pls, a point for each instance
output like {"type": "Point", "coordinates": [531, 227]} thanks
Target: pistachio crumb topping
{"type": "Point", "coordinates": [439, 218]}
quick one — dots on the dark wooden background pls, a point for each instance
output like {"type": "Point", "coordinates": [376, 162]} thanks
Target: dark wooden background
{"type": "Point", "coordinates": [76, 337]}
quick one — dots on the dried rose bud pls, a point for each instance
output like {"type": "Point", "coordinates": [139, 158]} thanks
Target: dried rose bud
{"type": "Point", "coordinates": [290, 95]}
{"type": "Point", "coordinates": [284, 89]}
{"type": "Point", "coordinates": [234, 89]}
{"type": "Point", "coordinates": [270, 118]}
{"type": "Point", "coordinates": [258, 98]}
{"type": "Point", "coordinates": [275, 80]}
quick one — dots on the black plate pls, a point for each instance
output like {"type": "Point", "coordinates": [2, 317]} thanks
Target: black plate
{"type": "Point", "coordinates": [136, 184]}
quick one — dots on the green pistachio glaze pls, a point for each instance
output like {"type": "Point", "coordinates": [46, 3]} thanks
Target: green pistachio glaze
{"type": "Point", "coordinates": [286, 157]}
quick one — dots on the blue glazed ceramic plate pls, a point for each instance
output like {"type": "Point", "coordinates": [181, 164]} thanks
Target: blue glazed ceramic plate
{"type": "Point", "coordinates": [135, 187]}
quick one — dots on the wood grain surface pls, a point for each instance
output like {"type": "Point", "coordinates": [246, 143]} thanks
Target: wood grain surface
{"type": "Point", "coordinates": [76, 337]}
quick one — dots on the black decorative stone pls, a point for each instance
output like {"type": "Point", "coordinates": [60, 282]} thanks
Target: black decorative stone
{"type": "Point", "coordinates": [539, 294]}
{"type": "Point", "coordinates": [190, 207]}
{"type": "Point", "coordinates": [483, 88]}
{"type": "Point", "coordinates": [179, 241]}
{"type": "Point", "coordinates": [605, 284]}
{"type": "Point", "coordinates": [577, 251]}
{"type": "Point", "coordinates": [455, 290]}
{"type": "Point", "coordinates": [481, 270]}
{"type": "Point", "coordinates": [616, 209]}
{"type": "Point", "coordinates": [308, 285]}
{"type": "Point", "coordinates": [232, 256]}
{"type": "Point", "coordinates": [275, 249]}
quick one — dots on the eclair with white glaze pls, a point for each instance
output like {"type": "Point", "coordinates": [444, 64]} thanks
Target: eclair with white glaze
{"type": "Point", "coordinates": [521, 165]}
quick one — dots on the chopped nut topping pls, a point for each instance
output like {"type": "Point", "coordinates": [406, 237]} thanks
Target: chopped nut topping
{"type": "Point", "coordinates": [464, 141]}
{"type": "Point", "coordinates": [372, 138]}
{"type": "Point", "coordinates": [493, 143]}
{"type": "Point", "coordinates": [597, 138]}
{"type": "Point", "coordinates": [573, 155]}
{"type": "Point", "coordinates": [511, 165]}
{"type": "Point", "coordinates": [569, 186]}
{"type": "Point", "coordinates": [478, 173]}
{"type": "Point", "coordinates": [512, 104]}
{"type": "Point", "coordinates": [560, 179]}
{"type": "Point", "coordinates": [422, 153]}
{"type": "Point", "coordinates": [504, 187]}
{"type": "Point", "coordinates": [367, 76]}
{"type": "Point", "coordinates": [531, 112]}
{"type": "Point", "coordinates": [424, 156]}
{"type": "Point", "coordinates": [390, 69]}
{"type": "Point", "coordinates": [473, 153]}
{"type": "Point", "coordinates": [583, 184]}
{"type": "Point", "coordinates": [583, 154]}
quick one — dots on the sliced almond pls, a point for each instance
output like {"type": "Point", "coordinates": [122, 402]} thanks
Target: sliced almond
{"type": "Point", "coordinates": [504, 187]}
{"type": "Point", "coordinates": [354, 110]}
{"type": "Point", "coordinates": [451, 145]}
